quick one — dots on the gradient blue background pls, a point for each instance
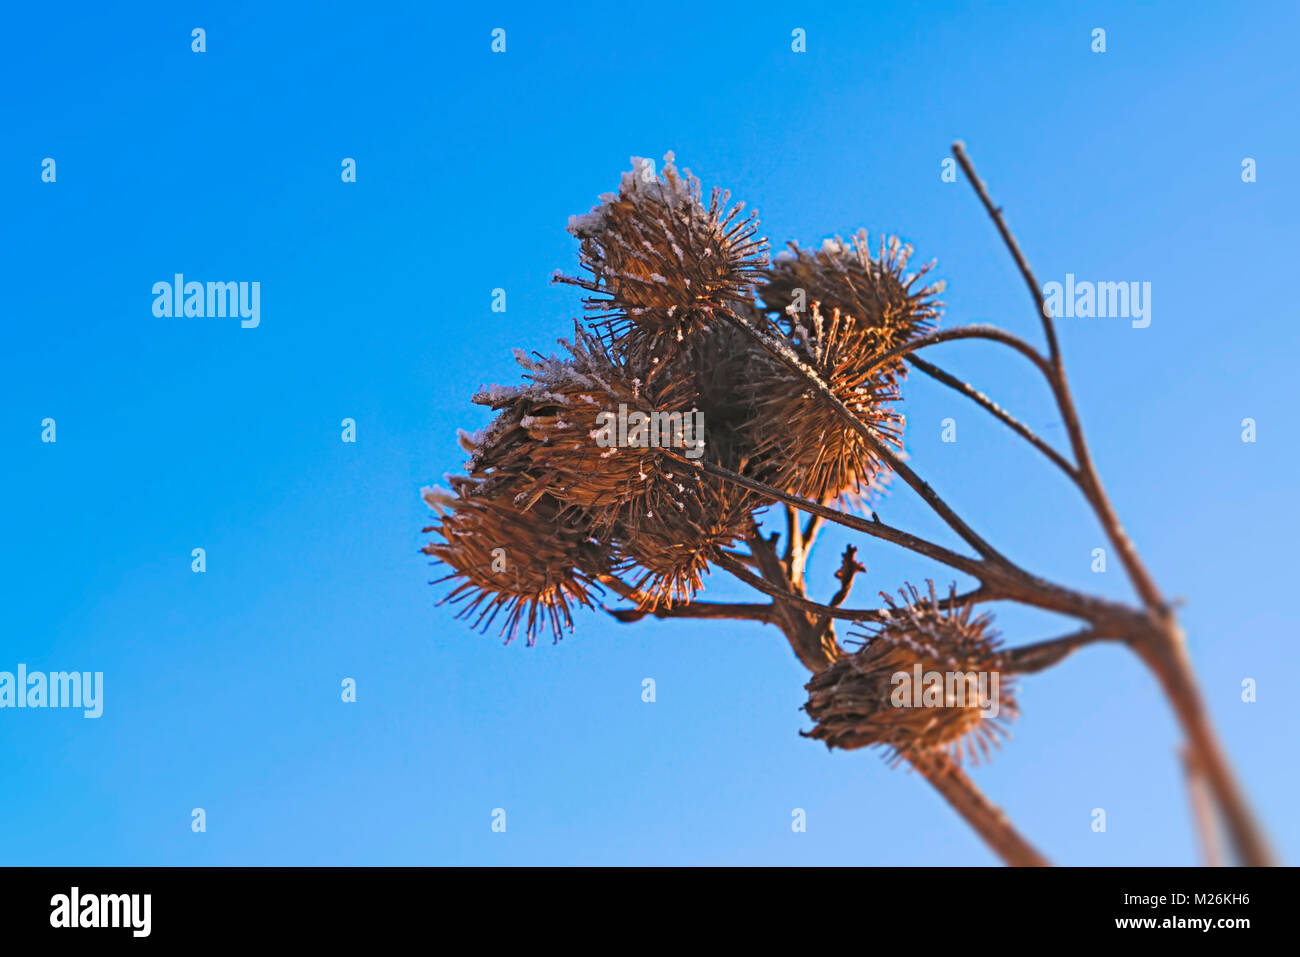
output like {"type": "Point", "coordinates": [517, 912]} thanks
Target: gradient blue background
{"type": "Point", "coordinates": [223, 689]}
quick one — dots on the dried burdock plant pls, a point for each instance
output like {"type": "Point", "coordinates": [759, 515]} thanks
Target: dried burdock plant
{"type": "Point", "coordinates": [539, 593]}
{"type": "Point", "coordinates": [928, 677]}
{"type": "Point", "coordinates": [661, 262]}
{"type": "Point", "coordinates": [800, 444]}
{"type": "Point", "coordinates": [791, 373]}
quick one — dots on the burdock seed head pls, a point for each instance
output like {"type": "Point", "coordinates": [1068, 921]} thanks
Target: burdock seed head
{"type": "Point", "coordinates": [878, 293]}
{"type": "Point", "coordinates": [532, 564]}
{"type": "Point", "coordinates": [923, 680]}
{"type": "Point", "coordinates": [841, 309]}
{"type": "Point", "coordinates": [570, 431]}
{"type": "Point", "coordinates": [800, 444]}
{"type": "Point", "coordinates": [672, 539]}
{"type": "Point", "coordinates": [661, 262]}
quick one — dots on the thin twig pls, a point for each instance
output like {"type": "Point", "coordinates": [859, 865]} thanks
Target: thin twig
{"type": "Point", "coordinates": [988, 820]}
{"type": "Point", "coordinates": [998, 412]}
{"type": "Point", "coordinates": [877, 529]}
{"type": "Point", "coordinates": [793, 540]}
{"type": "Point", "coordinates": [785, 354]}
{"type": "Point", "coordinates": [848, 571]}
{"type": "Point", "coordinates": [976, 331]}
{"type": "Point", "coordinates": [736, 611]}
{"type": "Point", "coordinates": [815, 608]}
{"type": "Point", "coordinates": [1161, 646]}
{"type": "Point", "coordinates": [1137, 573]}
{"type": "Point", "coordinates": [1028, 659]}
{"type": "Point", "coordinates": [1202, 812]}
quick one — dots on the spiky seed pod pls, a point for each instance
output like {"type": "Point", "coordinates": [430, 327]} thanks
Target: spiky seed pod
{"type": "Point", "coordinates": [872, 697]}
{"type": "Point", "coordinates": [673, 538]}
{"type": "Point", "coordinates": [801, 444]}
{"type": "Point", "coordinates": [877, 293]}
{"type": "Point", "coordinates": [717, 361]}
{"type": "Point", "coordinates": [572, 431]}
{"type": "Point", "coordinates": [532, 564]}
{"type": "Point", "coordinates": [661, 262]}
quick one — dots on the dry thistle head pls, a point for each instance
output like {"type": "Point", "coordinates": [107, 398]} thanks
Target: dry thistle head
{"type": "Point", "coordinates": [840, 309]}
{"type": "Point", "coordinates": [565, 433]}
{"type": "Point", "coordinates": [661, 262]}
{"type": "Point", "coordinates": [928, 678]}
{"type": "Point", "coordinates": [802, 445]}
{"type": "Point", "coordinates": [532, 563]}
{"type": "Point", "coordinates": [568, 448]}
{"type": "Point", "coordinates": [673, 538]}
{"type": "Point", "coordinates": [877, 293]}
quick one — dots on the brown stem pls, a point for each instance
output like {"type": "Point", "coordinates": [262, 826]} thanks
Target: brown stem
{"type": "Point", "coordinates": [976, 331]}
{"type": "Point", "coordinates": [1202, 811]}
{"type": "Point", "coordinates": [877, 528]}
{"type": "Point", "coordinates": [808, 647]}
{"type": "Point", "coordinates": [1000, 575]}
{"type": "Point", "coordinates": [816, 608]}
{"type": "Point", "coordinates": [966, 389]}
{"type": "Point", "coordinates": [848, 570]}
{"type": "Point", "coordinates": [793, 540]}
{"type": "Point", "coordinates": [1167, 657]}
{"type": "Point", "coordinates": [988, 820]}
{"type": "Point", "coordinates": [1137, 573]}
{"type": "Point", "coordinates": [717, 610]}
{"type": "Point", "coordinates": [1028, 659]}
{"type": "Point", "coordinates": [1161, 646]}
{"type": "Point", "coordinates": [785, 354]}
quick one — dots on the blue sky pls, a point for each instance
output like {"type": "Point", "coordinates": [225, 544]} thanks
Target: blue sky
{"type": "Point", "coordinates": [222, 689]}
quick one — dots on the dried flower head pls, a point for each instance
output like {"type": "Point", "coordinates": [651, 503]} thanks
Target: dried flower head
{"type": "Point", "coordinates": [878, 293]}
{"type": "Point", "coordinates": [661, 261]}
{"type": "Point", "coordinates": [803, 446]}
{"type": "Point", "coordinates": [528, 561]}
{"type": "Point", "coordinates": [588, 430]}
{"type": "Point", "coordinates": [676, 537]}
{"type": "Point", "coordinates": [930, 677]}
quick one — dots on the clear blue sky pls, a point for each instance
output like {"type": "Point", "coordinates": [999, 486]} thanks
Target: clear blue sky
{"type": "Point", "coordinates": [223, 689]}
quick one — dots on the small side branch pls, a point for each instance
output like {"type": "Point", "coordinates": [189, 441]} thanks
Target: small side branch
{"type": "Point", "coordinates": [976, 331]}
{"type": "Point", "coordinates": [878, 529]}
{"type": "Point", "coordinates": [1202, 810]}
{"type": "Point", "coordinates": [848, 570]}
{"type": "Point", "coordinates": [1041, 655]}
{"type": "Point", "coordinates": [998, 412]}
{"type": "Point", "coordinates": [988, 820]}
{"type": "Point", "coordinates": [782, 351]}
{"type": "Point", "coordinates": [734, 611]}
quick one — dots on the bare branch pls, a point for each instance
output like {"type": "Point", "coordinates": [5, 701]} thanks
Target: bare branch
{"type": "Point", "coordinates": [998, 412]}
{"type": "Point", "coordinates": [877, 529]}
{"type": "Point", "coordinates": [1161, 644]}
{"type": "Point", "coordinates": [1028, 659]}
{"type": "Point", "coordinates": [1202, 810]}
{"type": "Point", "coordinates": [737, 611]}
{"type": "Point", "coordinates": [1089, 480]}
{"type": "Point", "coordinates": [848, 570]}
{"type": "Point", "coordinates": [793, 540]}
{"type": "Point", "coordinates": [807, 648]}
{"type": "Point", "coordinates": [978, 331]}
{"type": "Point", "coordinates": [785, 354]}
{"type": "Point", "coordinates": [988, 820]}
{"type": "Point", "coordinates": [1049, 330]}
